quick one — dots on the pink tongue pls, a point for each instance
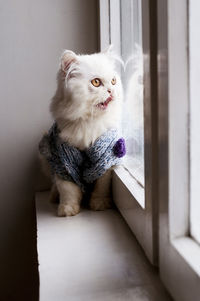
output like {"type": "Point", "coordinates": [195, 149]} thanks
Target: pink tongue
{"type": "Point", "coordinates": [104, 104]}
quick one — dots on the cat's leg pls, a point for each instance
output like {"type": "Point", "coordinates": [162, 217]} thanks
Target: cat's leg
{"type": "Point", "coordinates": [70, 197]}
{"type": "Point", "coordinates": [101, 195]}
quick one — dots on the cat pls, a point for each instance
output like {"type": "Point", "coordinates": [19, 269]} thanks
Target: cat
{"type": "Point", "coordinates": [87, 104]}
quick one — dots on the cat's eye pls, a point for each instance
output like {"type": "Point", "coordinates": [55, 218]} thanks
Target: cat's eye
{"type": "Point", "coordinates": [113, 81]}
{"type": "Point", "coordinates": [96, 82]}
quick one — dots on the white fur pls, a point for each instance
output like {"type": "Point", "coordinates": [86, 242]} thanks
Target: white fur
{"type": "Point", "coordinates": [74, 104]}
{"type": "Point", "coordinates": [70, 197]}
{"type": "Point", "coordinates": [81, 121]}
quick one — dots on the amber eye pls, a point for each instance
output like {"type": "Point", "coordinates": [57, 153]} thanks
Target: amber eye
{"type": "Point", "coordinates": [113, 81]}
{"type": "Point", "coordinates": [96, 82]}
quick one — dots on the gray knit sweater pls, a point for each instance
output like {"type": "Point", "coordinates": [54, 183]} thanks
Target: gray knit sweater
{"type": "Point", "coordinates": [81, 167]}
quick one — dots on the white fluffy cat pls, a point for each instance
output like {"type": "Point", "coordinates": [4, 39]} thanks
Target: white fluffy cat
{"type": "Point", "coordinates": [86, 104]}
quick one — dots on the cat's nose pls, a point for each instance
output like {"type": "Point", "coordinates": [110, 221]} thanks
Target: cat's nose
{"type": "Point", "coordinates": [109, 91]}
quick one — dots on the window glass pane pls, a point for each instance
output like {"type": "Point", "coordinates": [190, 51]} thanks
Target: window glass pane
{"type": "Point", "coordinates": [194, 50]}
{"type": "Point", "coordinates": [132, 78]}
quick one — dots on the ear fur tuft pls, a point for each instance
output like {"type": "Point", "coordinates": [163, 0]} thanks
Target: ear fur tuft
{"type": "Point", "coordinates": [68, 57]}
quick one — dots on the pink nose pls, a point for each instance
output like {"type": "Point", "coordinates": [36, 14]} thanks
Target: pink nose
{"type": "Point", "coordinates": [109, 91]}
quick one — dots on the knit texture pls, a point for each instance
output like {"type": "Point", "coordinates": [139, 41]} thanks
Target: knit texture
{"type": "Point", "coordinates": [82, 167]}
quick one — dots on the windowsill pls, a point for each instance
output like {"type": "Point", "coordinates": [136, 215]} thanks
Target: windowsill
{"type": "Point", "coordinates": [190, 251]}
{"type": "Point", "coordinates": [91, 256]}
{"type": "Point", "coordinates": [133, 186]}
{"type": "Point", "coordinates": [135, 167]}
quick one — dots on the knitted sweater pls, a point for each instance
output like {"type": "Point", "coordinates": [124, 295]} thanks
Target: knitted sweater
{"type": "Point", "coordinates": [82, 167]}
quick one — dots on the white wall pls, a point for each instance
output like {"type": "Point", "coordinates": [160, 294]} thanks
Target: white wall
{"type": "Point", "coordinates": [32, 36]}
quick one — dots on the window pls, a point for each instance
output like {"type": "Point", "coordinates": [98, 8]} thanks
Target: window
{"type": "Point", "coordinates": [132, 78]}
{"type": "Point", "coordinates": [125, 24]}
{"type": "Point", "coordinates": [179, 247]}
{"type": "Point", "coordinates": [167, 32]}
{"type": "Point", "coordinates": [194, 63]}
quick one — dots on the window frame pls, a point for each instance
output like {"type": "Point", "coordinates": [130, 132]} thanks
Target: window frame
{"type": "Point", "coordinates": [194, 65]}
{"type": "Point", "coordinates": [126, 191]}
{"type": "Point", "coordinates": [179, 254]}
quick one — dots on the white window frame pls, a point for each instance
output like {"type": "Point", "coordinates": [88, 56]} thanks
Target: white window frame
{"type": "Point", "coordinates": [127, 192]}
{"type": "Point", "coordinates": [179, 254]}
{"type": "Point", "coordinates": [194, 65]}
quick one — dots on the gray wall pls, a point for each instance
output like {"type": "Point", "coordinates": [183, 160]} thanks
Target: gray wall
{"type": "Point", "coordinates": [32, 36]}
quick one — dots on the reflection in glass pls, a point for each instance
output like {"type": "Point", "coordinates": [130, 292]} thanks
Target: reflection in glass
{"type": "Point", "coordinates": [132, 78]}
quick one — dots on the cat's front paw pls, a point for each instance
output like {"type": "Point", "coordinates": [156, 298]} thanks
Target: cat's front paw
{"type": "Point", "coordinates": [68, 209]}
{"type": "Point", "coordinates": [99, 203]}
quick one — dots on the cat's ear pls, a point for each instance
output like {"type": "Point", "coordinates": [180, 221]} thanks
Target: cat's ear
{"type": "Point", "coordinates": [68, 57]}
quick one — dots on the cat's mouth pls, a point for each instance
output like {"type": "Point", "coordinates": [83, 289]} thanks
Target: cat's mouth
{"type": "Point", "coordinates": [103, 105]}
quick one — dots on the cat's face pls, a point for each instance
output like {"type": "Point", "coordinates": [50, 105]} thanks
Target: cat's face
{"type": "Point", "coordinates": [92, 87]}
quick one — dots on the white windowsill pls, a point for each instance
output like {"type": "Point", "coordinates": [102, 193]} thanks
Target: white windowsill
{"type": "Point", "coordinates": [133, 186]}
{"type": "Point", "coordinates": [91, 256]}
{"type": "Point", "coordinates": [190, 251]}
